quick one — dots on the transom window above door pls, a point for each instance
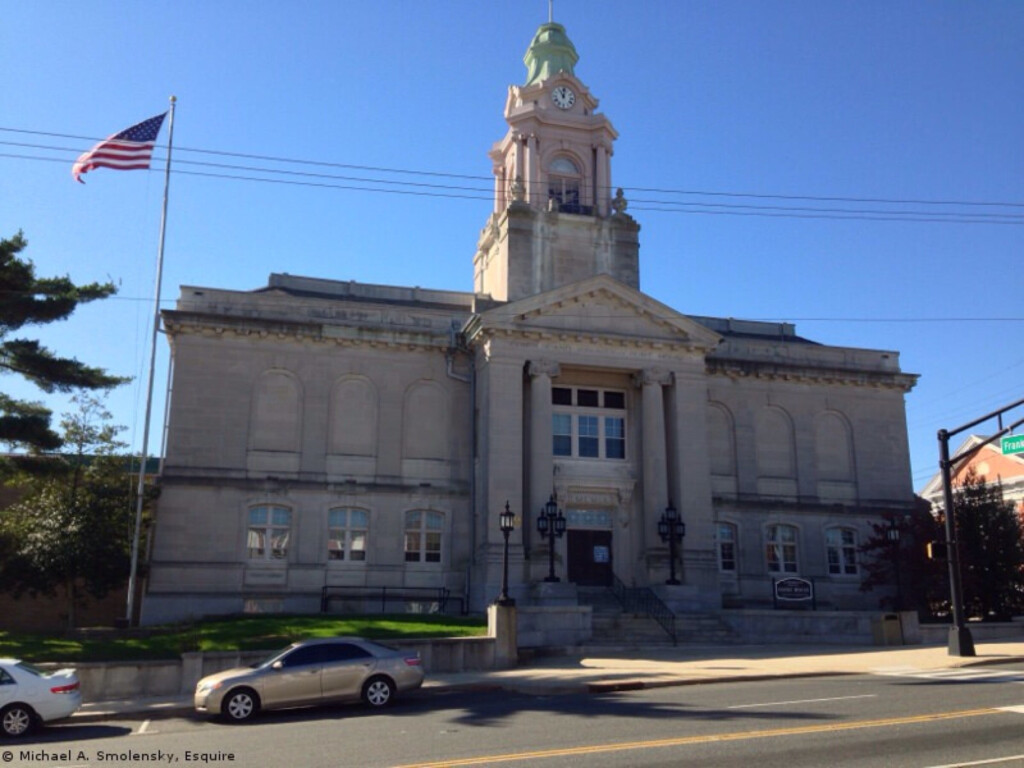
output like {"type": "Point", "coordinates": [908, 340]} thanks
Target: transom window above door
{"type": "Point", "coordinates": [588, 423]}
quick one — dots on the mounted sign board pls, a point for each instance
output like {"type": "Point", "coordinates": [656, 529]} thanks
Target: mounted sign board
{"type": "Point", "coordinates": [1012, 444]}
{"type": "Point", "coordinates": [793, 592]}
{"type": "Point", "coordinates": [794, 588]}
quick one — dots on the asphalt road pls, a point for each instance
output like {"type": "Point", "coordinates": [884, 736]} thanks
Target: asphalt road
{"type": "Point", "coordinates": [971, 716]}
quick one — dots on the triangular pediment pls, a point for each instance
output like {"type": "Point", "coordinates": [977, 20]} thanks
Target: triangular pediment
{"type": "Point", "coordinates": [599, 308]}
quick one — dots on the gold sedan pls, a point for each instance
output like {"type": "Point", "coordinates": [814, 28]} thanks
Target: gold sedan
{"type": "Point", "coordinates": [337, 669]}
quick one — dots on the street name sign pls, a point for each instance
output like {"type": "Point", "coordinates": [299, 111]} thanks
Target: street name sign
{"type": "Point", "coordinates": [1013, 444]}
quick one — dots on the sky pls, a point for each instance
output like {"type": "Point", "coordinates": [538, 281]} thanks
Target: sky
{"type": "Point", "coordinates": [854, 168]}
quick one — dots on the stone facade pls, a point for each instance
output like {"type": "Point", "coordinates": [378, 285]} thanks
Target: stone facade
{"type": "Point", "coordinates": [335, 434]}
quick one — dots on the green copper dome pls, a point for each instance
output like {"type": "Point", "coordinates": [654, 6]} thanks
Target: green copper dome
{"type": "Point", "coordinates": [551, 51]}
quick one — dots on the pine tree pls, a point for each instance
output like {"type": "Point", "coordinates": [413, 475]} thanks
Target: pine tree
{"type": "Point", "coordinates": [26, 300]}
{"type": "Point", "coordinates": [991, 539]}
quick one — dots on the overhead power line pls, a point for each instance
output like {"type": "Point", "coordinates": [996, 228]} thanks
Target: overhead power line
{"type": "Point", "coordinates": [362, 183]}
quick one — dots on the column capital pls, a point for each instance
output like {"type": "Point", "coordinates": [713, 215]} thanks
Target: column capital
{"type": "Point", "coordinates": [652, 376]}
{"type": "Point", "coordinates": [548, 368]}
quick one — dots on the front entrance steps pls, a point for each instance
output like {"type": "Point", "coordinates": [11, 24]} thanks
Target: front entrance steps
{"type": "Point", "coordinates": [614, 627]}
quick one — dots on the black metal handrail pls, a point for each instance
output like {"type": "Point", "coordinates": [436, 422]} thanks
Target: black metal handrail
{"type": "Point", "coordinates": [643, 600]}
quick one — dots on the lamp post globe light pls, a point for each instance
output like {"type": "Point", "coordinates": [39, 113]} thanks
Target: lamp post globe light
{"type": "Point", "coordinates": [551, 525]}
{"type": "Point", "coordinates": [673, 530]}
{"type": "Point", "coordinates": [506, 524]}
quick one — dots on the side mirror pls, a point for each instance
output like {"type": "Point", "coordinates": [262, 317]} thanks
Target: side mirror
{"type": "Point", "coordinates": [278, 665]}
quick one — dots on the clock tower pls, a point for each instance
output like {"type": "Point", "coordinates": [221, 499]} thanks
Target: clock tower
{"type": "Point", "coordinates": [556, 220]}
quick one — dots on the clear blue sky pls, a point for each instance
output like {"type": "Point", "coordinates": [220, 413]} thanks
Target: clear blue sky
{"type": "Point", "coordinates": [882, 100]}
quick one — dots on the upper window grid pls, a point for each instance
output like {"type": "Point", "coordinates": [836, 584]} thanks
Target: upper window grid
{"type": "Point", "coordinates": [582, 425]}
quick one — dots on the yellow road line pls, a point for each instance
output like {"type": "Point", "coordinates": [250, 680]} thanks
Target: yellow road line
{"type": "Point", "coordinates": [703, 739]}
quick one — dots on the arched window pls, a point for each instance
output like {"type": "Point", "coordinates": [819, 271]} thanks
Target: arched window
{"type": "Point", "coordinates": [564, 185]}
{"type": "Point", "coordinates": [781, 549]}
{"type": "Point", "coordinates": [423, 533]}
{"type": "Point", "coordinates": [269, 532]}
{"type": "Point", "coordinates": [346, 534]}
{"type": "Point", "coordinates": [726, 535]}
{"type": "Point", "coordinates": [841, 550]}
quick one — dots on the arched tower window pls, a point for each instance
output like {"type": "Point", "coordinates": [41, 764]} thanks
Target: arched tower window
{"type": "Point", "coordinates": [564, 185]}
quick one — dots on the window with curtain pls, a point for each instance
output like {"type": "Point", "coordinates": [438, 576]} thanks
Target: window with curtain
{"type": "Point", "coordinates": [346, 534]}
{"type": "Point", "coordinates": [781, 549]}
{"type": "Point", "coordinates": [269, 533]}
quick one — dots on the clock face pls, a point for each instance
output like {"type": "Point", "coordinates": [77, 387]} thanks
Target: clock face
{"type": "Point", "coordinates": [563, 97]}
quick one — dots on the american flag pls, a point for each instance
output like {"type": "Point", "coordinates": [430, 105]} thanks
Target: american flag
{"type": "Point", "coordinates": [130, 149]}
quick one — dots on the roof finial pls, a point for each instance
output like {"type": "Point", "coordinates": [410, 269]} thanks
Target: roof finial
{"type": "Point", "coordinates": [551, 11]}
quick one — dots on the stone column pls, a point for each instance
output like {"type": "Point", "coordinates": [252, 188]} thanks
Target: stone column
{"type": "Point", "coordinates": [653, 455]}
{"type": "Point", "coordinates": [535, 195]}
{"type": "Point", "coordinates": [541, 460]}
{"type": "Point", "coordinates": [690, 486]}
{"type": "Point", "coordinates": [601, 181]}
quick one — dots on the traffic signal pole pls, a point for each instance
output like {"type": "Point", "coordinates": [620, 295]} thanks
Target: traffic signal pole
{"type": "Point", "coordinates": [961, 643]}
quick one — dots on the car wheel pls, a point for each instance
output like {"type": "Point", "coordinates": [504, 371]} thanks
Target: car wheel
{"type": "Point", "coordinates": [378, 691]}
{"type": "Point", "coordinates": [240, 705]}
{"type": "Point", "coordinates": [16, 720]}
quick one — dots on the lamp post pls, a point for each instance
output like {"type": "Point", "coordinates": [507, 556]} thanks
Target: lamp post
{"type": "Point", "coordinates": [893, 535]}
{"type": "Point", "coordinates": [672, 530]}
{"type": "Point", "coordinates": [551, 525]}
{"type": "Point", "coordinates": [506, 524]}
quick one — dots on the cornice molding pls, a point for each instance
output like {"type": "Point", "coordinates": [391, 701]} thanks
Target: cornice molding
{"type": "Point", "coordinates": [801, 374]}
{"type": "Point", "coordinates": [179, 323]}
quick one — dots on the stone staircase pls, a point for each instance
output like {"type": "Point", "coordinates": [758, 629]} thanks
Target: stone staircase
{"type": "Point", "coordinates": [613, 626]}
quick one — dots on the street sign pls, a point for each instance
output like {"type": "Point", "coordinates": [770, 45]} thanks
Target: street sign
{"type": "Point", "coordinates": [1013, 444]}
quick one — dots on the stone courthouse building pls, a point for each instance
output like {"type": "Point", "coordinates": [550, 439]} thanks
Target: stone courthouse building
{"type": "Point", "coordinates": [327, 433]}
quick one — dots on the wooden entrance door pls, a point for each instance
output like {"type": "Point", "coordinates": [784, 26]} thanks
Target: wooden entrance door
{"type": "Point", "coordinates": [590, 558]}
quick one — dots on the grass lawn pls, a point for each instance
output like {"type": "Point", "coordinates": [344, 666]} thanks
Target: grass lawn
{"type": "Point", "coordinates": [243, 632]}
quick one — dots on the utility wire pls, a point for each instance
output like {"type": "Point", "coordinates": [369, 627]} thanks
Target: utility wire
{"type": "Point", "coordinates": [674, 206]}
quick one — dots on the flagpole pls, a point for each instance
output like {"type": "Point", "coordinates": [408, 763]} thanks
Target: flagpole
{"type": "Point", "coordinates": [139, 493]}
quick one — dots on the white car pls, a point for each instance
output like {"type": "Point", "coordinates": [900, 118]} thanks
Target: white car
{"type": "Point", "coordinates": [29, 696]}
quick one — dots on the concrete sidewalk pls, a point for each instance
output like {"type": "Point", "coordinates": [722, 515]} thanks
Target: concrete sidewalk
{"type": "Point", "coordinates": [597, 670]}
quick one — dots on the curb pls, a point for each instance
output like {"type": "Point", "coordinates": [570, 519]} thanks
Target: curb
{"type": "Point", "coordinates": [553, 688]}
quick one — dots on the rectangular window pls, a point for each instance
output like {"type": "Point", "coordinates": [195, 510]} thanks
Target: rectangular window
{"type": "Point", "coordinates": [579, 428]}
{"type": "Point", "coordinates": [590, 438]}
{"type": "Point", "coordinates": [615, 400]}
{"type": "Point", "coordinates": [780, 551]}
{"type": "Point", "coordinates": [841, 549]}
{"type": "Point", "coordinates": [423, 537]}
{"type": "Point", "coordinates": [268, 533]}
{"type": "Point", "coordinates": [561, 427]}
{"type": "Point", "coordinates": [614, 437]}
{"type": "Point", "coordinates": [727, 547]}
{"type": "Point", "coordinates": [346, 534]}
{"type": "Point", "coordinates": [561, 396]}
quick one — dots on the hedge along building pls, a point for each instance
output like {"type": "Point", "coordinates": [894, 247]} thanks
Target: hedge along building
{"type": "Point", "coordinates": [328, 433]}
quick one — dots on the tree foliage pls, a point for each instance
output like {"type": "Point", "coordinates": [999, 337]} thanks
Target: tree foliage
{"type": "Point", "coordinates": [910, 580]}
{"type": "Point", "coordinates": [30, 300]}
{"type": "Point", "coordinates": [991, 541]}
{"type": "Point", "coordinates": [72, 530]}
